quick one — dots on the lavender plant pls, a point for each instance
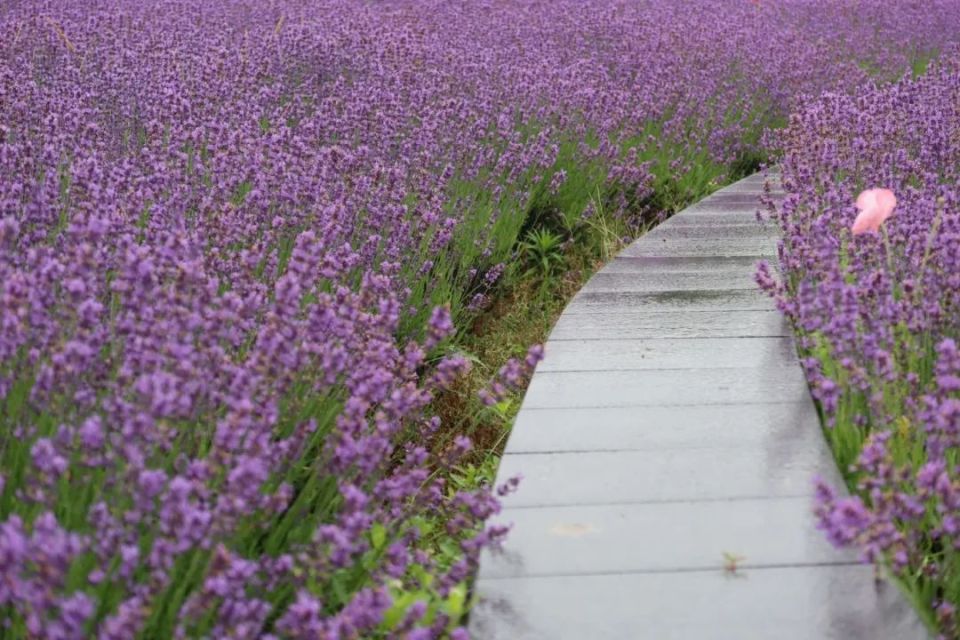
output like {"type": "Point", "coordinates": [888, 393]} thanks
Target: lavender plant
{"type": "Point", "coordinates": [238, 241]}
{"type": "Point", "coordinates": [875, 295]}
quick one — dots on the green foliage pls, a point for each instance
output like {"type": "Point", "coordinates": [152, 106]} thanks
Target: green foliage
{"type": "Point", "coordinates": [542, 253]}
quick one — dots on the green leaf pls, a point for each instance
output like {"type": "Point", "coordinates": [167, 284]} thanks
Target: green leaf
{"type": "Point", "coordinates": [378, 536]}
{"type": "Point", "coordinates": [454, 605]}
{"type": "Point", "coordinates": [401, 604]}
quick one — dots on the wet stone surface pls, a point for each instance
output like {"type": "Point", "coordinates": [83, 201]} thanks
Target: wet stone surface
{"type": "Point", "coordinates": [724, 300]}
{"type": "Point", "coordinates": [625, 324]}
{"type": "Point", "coordinates": [761, 246]}
{"type": "Point", "coordinates": [834, 602]}
{"type": "Point", "coordinates": [668, 430]}
{"type": "Point", "coordinates": [775, 382]}
{"type": "Point", "coordinates": [719, 280]}
{"type": "Point", "coordinates": [666, 353]}
{"type": "Point", "coordinates": [723, 429]}
{"type": "Point", "coordinates": [709, 229]}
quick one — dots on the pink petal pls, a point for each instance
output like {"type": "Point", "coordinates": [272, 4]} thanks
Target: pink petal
{"type": "Point", "coordinates": [868, 220]}
{"type": "Point", "coordinates": [886, 202]}
{"type": "Point", "coordinates": [867, 199]}
{"type": "Point", "coordinates": [886, 198]}
{"type": "Point", "coordinates": [876, 205]}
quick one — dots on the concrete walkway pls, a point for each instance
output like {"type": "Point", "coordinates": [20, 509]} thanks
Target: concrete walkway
{"type": "Point", "coordinates": [667, 444]}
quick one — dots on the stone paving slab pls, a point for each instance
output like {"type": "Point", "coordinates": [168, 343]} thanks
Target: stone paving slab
{"type": "Point", "coordinates": [835, 602]}
{"type": "Point", "coordinates": [775, 189]}
{"type": "Point", "coordinates": [640, 388]}
{"type": "Point", "coordinates": [759, 179]}
{"type": "Point", "coordinates": [719, 428]}
{"type": "Point", "coordinates": [613, 325]}
{"type": "Point", "coordinates": [714, 231]}
{"type": "Point", "coordinates": [772, 189]}
{"type": "Point", "coordinates": [743, 245]}
{"type": "Point", "coordinates": [771, 176]}
{"type": "Point", "coordinates": [677, 300]}
{"type": "Point", "coordinates": [704, 266]}
{"type": "Point", "coordinates": [627, 282]}
{"type": "Point", "coordinates": [725, 208]}
{"type": "Point", "coordinates": [716, 219]}
{"type": "Point", "coordinates": [599, 477]}
{"type": "Point", "coordinates": [664, 536]}
{"type": "Point", "coordinates": [724, 196]}
{"type": "Point", "coordinates": [647, 353]}
{"type": "Point", "coordinates": [710, 230]}
{"type": "Point", "coordinates": [669, 425]}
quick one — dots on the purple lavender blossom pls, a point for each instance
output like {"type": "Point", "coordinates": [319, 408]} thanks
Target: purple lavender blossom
{"type": "Point", "coordinates": [236, 238]}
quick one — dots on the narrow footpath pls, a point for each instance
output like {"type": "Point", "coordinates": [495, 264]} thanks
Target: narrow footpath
{"type": "Point", "coordinates": [667, 444]}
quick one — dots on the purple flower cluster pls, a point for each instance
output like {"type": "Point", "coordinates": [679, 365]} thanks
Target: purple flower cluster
{"type": "Point", "coordinates": [512, 376]}
{"type": "Point", "coordinates": [237, 239]}
{"type": "Point", "coordinates": [878, 316]}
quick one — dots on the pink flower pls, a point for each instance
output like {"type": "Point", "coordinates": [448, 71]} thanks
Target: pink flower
{"type": "Point", "coordinates": [875, 205]}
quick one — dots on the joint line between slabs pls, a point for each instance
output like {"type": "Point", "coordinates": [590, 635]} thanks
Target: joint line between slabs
{"type": "Point", "coordinates": [646, 312]}
{"type": "Point", "coordinates": [741, 568]}
{"type": "Point", "coordinates": [733, 446]}
{"type": "Point", "coordinates": [649, 338]}
{"type": "Point", "coordinates": [662, 404]}
{"type": "Point", "coordinates": [786, 365]}
{"type": "Point", "coordinates": [508, 508]}
{"type": "Point", "coordinates": [574, 312]}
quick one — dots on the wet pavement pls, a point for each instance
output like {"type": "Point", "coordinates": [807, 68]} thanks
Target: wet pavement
{"type": "Point", "coordinates": [668, 444]}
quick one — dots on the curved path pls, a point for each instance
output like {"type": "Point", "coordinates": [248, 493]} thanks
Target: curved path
{"type": "Point", "coordinates": [667, 444]}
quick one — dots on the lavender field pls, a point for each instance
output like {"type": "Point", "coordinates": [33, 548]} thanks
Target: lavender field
{"type": "Point", "coordinates": [250, 255]}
